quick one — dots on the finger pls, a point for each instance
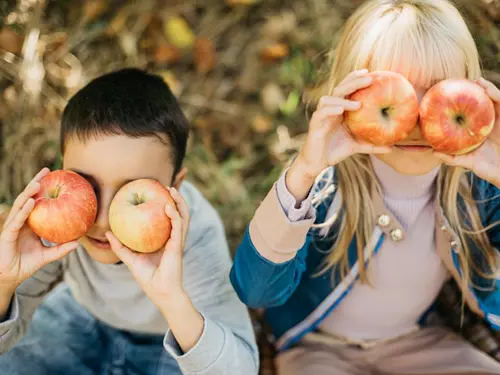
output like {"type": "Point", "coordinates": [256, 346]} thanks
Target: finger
{"type": "Point", "coordinates": [492, 91]}
{"type": "Point", "coordinates": [21, 200]}
{"type": "Point", "coordinates": [349, 105]}
{"type": "Point", "coordinates": [11, 231]}
{"type": "Point", "coordinates": [325, 118]}
{"type": "Point", "coordinates": [353, 86]}
{"type": "Point", "coordinates": [174, 243]}
{"type": "Point", "coordinates": [353, 75]}
{"type": "Point", "coordinates": [122, 252]}
{"type": "Point", "coordinates": [182, 208]}
{"type": "Point", "coordinates": [53, 253]}
{"type": "Point", "coordinates": [454, 161]}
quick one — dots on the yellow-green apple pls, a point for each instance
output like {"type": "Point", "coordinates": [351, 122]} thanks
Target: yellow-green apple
{"type": "Point", "coordinates": [137, 215]}
{"type": "Point", "coordinates": [456, 116]}
{"type": "Point", "coordinates": [65, 207]}
{"type": "Point", "coordinates": [389, 110]}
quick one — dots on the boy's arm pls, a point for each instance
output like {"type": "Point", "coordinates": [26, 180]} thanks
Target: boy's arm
{"type": "Point", "coordinates": [270, 260]}
{"type": "Point", "coordinates": [227, 344]}
{"type": "Point", "coordinates": [23, 303]}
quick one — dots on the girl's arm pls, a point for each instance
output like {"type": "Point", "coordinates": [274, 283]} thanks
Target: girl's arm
{"type": "Point", "coordinates": [271, 258]}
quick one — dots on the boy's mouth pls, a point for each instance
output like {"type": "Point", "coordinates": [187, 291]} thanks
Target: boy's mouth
{"type": "Point", "coordinates": [100, 243]}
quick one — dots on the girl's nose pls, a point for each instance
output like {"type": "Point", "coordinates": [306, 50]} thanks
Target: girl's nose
{"type": "Point", "coordinates": [103, 202]}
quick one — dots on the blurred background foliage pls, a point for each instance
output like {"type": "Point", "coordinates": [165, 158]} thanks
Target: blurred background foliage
{"type": "Point", "coordinates": [246, 72]}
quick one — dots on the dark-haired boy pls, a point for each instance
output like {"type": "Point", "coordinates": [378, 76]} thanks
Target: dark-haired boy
{"type": "Point", "coordinates": [117, 311]}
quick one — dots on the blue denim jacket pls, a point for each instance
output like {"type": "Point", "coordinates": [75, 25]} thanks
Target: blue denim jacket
{"type": "Point", "coordinates": [296, 300]}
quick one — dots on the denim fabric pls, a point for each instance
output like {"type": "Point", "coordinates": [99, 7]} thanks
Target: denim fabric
{"type": "Point", "coordinates": [65, 339]}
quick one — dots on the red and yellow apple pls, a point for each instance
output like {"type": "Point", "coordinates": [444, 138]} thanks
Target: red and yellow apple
{"type": "Point", "coordinates": [137, 215]}
{"type": "Point", "coordinates": [389, 110]}
{"type": "Point", "coordinates": [65, 207]}
{"type": "Point", "coordinates": [456, 116]}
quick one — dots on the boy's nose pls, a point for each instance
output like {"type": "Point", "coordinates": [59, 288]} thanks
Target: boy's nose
{"type": "Point", "coordinates": [102, 221]}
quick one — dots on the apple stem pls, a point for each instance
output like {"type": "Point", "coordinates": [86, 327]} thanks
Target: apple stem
{"type": "Point", "coordinates": [137, 198]}
{"type": "Point", "coordinates": [56, 191]}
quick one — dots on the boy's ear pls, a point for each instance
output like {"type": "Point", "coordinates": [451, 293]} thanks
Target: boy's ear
{"type": "Point", "coordinates": [179, 178]}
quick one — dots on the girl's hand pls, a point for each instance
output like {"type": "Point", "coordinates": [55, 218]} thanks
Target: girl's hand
{"type": "Point", "coordinates": [484, 161]}
{"type": "Point", "coordinates": [160, 273]}
{"type": "Point", "coordinates": [22, 253]}
{"type": "Point", "coordinates": [328, 141]}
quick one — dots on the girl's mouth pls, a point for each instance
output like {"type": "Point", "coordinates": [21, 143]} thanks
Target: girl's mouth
{"type": "Point", "coordinates": [100, 244]}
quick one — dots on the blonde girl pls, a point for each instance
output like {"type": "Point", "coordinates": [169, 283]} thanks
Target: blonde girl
{"type": "Point", "coordinates": [352, 245]}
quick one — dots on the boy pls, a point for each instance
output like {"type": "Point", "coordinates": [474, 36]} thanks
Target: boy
{"type": "Point", "coordinates": [120, 312]}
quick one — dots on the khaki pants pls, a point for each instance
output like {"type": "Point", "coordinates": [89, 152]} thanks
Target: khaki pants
{"type": "Point", "coordinates": [431, 350]}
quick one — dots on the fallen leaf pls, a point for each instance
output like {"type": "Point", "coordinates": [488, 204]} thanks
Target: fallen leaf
{"type": "Point", "coordinates": [289, 107]}
{"type": "Point", "coordinates": [241, 2]}
{"type": "Point", "coordinates": [274, 52]}
{"type": "Point", "coordinates": [92, 9]}
{"type": "Point", "coordinates": [166, 54]}
{"type": "Point", "coordinates": [280, 25]}
{"type": "Point", "coordinates": [117, 23]}
{"type": "Point", "coordinates": [179, 33]}
{"type": "Point", "coordinates": [261, 124]}
{"type": "Point", "coordinates": [272, 97]}
{"type": "Point", "coordinates": [11, 41]}
{"type": "Point", "coordinates": [204, 55]}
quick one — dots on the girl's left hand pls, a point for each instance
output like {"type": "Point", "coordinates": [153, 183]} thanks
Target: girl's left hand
{"type": "Point", "coordinates": [160, 273]}
{"type": "Point", "coordinates": [484, 161]}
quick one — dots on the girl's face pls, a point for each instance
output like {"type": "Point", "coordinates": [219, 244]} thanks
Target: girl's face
{"type": "Point", "coordinates": [412, 156]}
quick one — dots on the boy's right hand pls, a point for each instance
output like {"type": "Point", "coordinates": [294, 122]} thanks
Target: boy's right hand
{"type": "Point", "coordinates": [328, 141]}
{"type": "Point", "coordinates": [22, 253]}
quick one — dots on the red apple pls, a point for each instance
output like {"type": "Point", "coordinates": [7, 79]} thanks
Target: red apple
{"type": "Point", "coordinates": [389, 110]}
{"type": "Point", "coordinates": [137, 215]}
{"type": "Point", "coordinates": [456, 116]}
{"type": "Point", "coordinates": [65, 207]}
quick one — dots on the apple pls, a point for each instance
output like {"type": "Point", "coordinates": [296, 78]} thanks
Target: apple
{"type": "Point", "coordinates": [389, 110]}
{"type": "Point", "coordinates": [456, 116]}
{"type": "Point", "coordinates": [65, 207]}
{"type": "Point", "coordinates": [137, 215]}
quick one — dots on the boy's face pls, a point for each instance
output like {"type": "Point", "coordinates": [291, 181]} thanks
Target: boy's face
{"type": "Point", "coordinates": [108, 163]}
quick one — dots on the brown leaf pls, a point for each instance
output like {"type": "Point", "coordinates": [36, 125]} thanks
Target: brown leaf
{"type": "Point", "coordinates": [11, 41]}
{"type": "Point", "coordinates": [261, 124]}
{"type": "Point", "coordinates": [272, 97]}
{"type": "Point", "coordinates": [204, 55]}
{"type": "Point", "coordinates": [179, 33]}
{"type": "Point", "coordinates": [274, 52]}
{"type": "Point", "coordinates": [241, 2]}
{"type": "Point", "coordinates": [166, 54]}
{"type": "Point", "coordinates": [493, 8]}
{"type": "Point", "coordinates": [92, 9]}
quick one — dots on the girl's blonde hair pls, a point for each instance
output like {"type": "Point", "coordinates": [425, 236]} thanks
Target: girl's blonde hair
{"type": "Point", "coordinates": [426, 41]}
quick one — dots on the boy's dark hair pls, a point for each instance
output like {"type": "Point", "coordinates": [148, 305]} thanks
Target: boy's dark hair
{"type": "Point", "coordinates": [127, 102]}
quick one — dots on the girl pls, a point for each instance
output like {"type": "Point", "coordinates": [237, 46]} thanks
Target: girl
{"type": "Point", "coordinates": [354, 242]}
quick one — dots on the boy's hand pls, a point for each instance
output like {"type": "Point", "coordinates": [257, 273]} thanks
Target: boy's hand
{"type": "Point", "coordinates": [21, 251]}
{"type": "Point", "coordinates": [484, 161]}
{"type": "Point", "coordinates": [159, 273]}
{"type": "Point", "coordinates": [160, 276]}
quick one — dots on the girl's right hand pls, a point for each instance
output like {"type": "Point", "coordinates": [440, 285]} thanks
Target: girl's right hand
{"type": "Point", "coordinates": [328, 141]}
{"type": "Point", "coordinates": [22, 253]}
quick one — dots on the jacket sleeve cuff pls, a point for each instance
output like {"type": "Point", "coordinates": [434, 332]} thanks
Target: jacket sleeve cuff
{"type": "Point", "coordinates": [273, 234]}
{"type": "Point", "coordinates": [204, 354]}
{"type": "Point", "coordinates": [11, 318]}
{"type": "Point", "coordinates": [289, 204]}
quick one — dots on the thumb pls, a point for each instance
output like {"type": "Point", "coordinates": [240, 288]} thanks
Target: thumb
{"type": "Point", "coordinates": [53, 253]}
{"type": "Point", "coordinates": [122, 252]}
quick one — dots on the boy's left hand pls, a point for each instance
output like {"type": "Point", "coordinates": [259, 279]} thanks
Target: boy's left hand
{"type": "Point", "coordinates": [484, 161]}
{"type": "Point", "coordinates": [160, 273]}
